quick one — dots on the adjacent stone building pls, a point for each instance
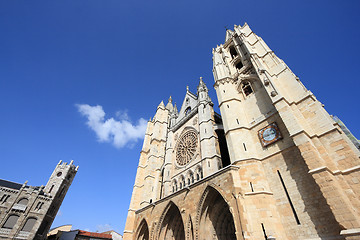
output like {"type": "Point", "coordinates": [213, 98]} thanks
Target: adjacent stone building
{"type": "Point", "coordinates": [27, 212]}
{"type": "Point", "coordinates": [274, 165]}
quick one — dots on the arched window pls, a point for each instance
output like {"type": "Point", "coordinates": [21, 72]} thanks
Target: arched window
{"type": "Point", "coordinates": [174, 186]}
{"type": "Point", "coordinates": [23, 201]}
{"type": "Point", "coordinates": [11, 221]}
{"type": "Point", "coordinates": [30, 222]}
{"type": "Point", "coordinates": [233, 52]}
{"type": "Point", "coordinates": [199, 173]}
{"type": "Point", "coordinates": [182, 181]}
{"type": "Point", "coordinates": [246, 87]}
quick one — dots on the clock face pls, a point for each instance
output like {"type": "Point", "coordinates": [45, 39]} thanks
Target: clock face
{"type": "Point", "coordinates": [269, 134]}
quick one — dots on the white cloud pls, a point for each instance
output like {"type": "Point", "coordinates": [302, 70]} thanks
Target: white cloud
{"type": "Point", "coordinates": [103, 228]}
{"type": "Point", "coordinates": [59, 213]}
{"type": "Point", "coordinates": [118, 132]}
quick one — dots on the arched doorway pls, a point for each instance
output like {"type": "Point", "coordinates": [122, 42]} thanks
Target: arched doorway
{"type": "Point", "coordinates": [215, 221]}
{"type": "Point", "coordinates": [172, 227]}
{"type": "Point", "coordinates": [143, 231]}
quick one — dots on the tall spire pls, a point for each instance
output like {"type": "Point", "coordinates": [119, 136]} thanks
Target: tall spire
{"type": "Point", "coordinates": [169, 105]}
{"type": "Point", "coordinates": [201, 87]}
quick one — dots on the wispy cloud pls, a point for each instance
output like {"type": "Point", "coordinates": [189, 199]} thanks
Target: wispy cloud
{"type": "Point", "coordinates": [120, 133]}
{"type": "Point", "coordinates": [103, 227]}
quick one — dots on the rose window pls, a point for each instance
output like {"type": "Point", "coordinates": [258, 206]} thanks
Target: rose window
{"type": "Point", "coordinates": [186, 148]}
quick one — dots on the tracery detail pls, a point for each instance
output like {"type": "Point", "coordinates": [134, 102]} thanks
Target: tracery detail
{"type": "Point", "coordinates": [186, 147]}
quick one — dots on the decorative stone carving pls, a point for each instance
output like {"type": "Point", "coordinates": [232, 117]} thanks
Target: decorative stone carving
{"type": "Point", "coordinates": [186, 147]}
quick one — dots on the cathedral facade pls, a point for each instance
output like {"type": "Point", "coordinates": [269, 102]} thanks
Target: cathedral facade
{"type": "Point", "coordinates": [273, 165]}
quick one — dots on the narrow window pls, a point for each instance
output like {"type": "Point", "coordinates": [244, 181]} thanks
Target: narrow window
{"type": "Point", "coordinates": [246, 87]}
{"type": "Point", "coordinates": [197, 177]}
{"type": "Point", "coordinates": [51, 188]}
{"type": "Point", "coordinates": [173, 189]}
{"type": "Point", "coordinates": [209, 164]}
{"type": "Point", "coordinates": [150, 200]}
{"type": "Point", "coordinates": [244, 147]}
{"type": "Point", "coordinates": [252, 189]}
{"type": "Point", "coordinates": [237, 120]}
{"type": "Point", "coordinates": [180, 185]}
{"type": "Point", "coordinates": [233, 52]}
{"type": "Point", "coordinates": [228, 106]}
{"type": "Point", "coordinates": [11, 221]}
{"type": "Point", "coordinates": [289, 199]}
{"type": "Point", "coordinates": [224, 91]}
{"type": "Point", "coordinates": [189, 181]}
{"type": "Point", "coordinates": [205, 130]}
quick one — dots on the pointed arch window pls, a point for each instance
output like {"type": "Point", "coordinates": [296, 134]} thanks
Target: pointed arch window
{"type": "Point", "coordinates": [187, 111]}
{"type": "Point", "coordinates": [233, 52]}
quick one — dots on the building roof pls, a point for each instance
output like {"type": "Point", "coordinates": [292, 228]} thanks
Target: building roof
{"type": "Point", "coordinates": [92, 234]}
{"type": "Point", "coordinates": [8, 184]}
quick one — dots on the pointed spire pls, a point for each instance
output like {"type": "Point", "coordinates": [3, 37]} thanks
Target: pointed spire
{"type": "Point", "coordinates": [169, 106]}
{"type": "Point", "coordinates": [161, 105]}
{"type": "Point", "coordinates": [201, 87]}
{"type": "Point", "coordinates": [187, 88]}
{"type": "Point", "coordinates": [175, 110]}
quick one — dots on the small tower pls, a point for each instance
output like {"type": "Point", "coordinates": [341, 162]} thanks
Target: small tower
{"type": "Point", "coordinates": [56, 188]}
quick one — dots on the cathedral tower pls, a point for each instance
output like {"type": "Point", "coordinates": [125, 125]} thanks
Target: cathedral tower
{"type": "Point", "coordinates": [274, 165]}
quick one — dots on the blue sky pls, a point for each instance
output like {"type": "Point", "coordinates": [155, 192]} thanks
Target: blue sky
{"type": "Point", "coordinates": [59, 57]}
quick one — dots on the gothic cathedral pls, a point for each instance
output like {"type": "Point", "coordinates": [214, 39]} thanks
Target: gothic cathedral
{"type": "Point", "coordinates": [273, 165]}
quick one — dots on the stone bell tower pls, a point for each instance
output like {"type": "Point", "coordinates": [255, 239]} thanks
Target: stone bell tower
{"type": "Point", "coordinates": [291, 153]}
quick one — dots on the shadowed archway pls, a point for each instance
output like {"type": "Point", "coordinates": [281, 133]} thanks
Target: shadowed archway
{"type": "Point", "coordinates": [143, 231]}
{"type": "Point", "coordinates": [215, 221]}
{"type": "Point", "coordinates": [172, 227]}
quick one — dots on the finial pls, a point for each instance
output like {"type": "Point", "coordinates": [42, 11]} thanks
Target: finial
{"type": "Point", "coordinates": [71, 162]}
{"type": "Point", "coordinates": [187, 88]}
{"type": "Point", "coordinates": [170, 99]}
{"type": "Point", "coordinates": [26, 182]}
{"type": "Point", "coordinates": [201, 79]}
